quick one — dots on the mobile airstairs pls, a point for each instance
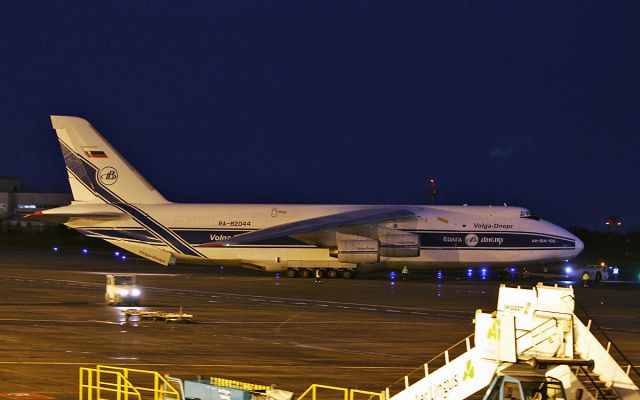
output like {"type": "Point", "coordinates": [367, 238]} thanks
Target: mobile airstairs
{"type": "Point", "coordinates": [533, 347]}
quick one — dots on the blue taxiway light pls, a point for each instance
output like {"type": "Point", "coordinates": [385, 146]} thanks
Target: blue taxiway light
{"type": "Point", "coordinates": [116, 253]}
{"type": "Point", "coordinates": [55, 249]}
{"type": "Point", "coordinates": [85, 251]}
{"type": "Point", "coordinates": [123, 258]}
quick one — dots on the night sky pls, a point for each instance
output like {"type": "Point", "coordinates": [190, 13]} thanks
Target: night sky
{"type": "Point", "coordinates": [533, 104]}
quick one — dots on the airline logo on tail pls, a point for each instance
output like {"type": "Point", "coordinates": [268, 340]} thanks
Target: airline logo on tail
{"type": "Point", "coordinates": [108, 175]}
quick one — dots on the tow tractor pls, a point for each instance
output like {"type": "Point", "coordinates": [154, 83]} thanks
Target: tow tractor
{"type": "Point", "coordinates": [122, 290]}
{"type": "Point", "coordinates": [533, 347]}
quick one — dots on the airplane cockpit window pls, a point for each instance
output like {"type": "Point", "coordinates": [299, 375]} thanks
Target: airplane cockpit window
{"type": "Point", "coordinates": [529, 215]}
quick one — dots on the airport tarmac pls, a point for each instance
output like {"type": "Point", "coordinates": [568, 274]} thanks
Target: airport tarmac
{"type": "Point", "coordinates": [364, 333]}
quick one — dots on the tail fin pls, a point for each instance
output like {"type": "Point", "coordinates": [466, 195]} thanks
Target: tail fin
{"type": "Point", "coordinates": [97, 173]}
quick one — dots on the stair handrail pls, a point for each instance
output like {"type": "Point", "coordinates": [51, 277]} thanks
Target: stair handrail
{"type": "Point", "coordinates": [425, 366]}
{"type": "Point", "coordinates": [601, 331]}
{"type": "Point", "coordinates": [530, 332]}
{"type": "Point", "coordinates": [595, 385]}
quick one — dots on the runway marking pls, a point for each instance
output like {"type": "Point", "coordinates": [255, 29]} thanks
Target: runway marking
{"type": "Point", "coordinates": [59, 321]}
{"type": "Point", "coordinates": [298, 301]}
{"type": "Point", "coordinates": [393, 311]}
{"type": "Point", "coordinates": [307, 346]}
{"type": "Point", "coordinates": [256, 298]}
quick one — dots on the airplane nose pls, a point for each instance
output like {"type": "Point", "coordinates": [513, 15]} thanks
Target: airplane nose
{"type": "Point", "coordinates": [579, 245]}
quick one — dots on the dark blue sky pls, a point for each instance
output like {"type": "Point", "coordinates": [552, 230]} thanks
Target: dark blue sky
{"type": "Point", "coordinates": [534, 104]}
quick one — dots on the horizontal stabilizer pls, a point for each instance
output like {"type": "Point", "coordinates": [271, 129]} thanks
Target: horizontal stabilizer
{"type": "Point", "coordinates": [149, 252]}
{"type": "Point", "coordinates": [61, 218]}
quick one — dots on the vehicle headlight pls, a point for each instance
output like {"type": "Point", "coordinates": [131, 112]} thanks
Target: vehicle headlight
{"type": "Point", "coordinates": [124, 292]}
{"type": "Point", "coordinates": [135, 292]}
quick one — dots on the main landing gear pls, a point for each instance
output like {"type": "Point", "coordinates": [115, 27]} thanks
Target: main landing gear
{"type": "Point", "coordinates": [329, 273]}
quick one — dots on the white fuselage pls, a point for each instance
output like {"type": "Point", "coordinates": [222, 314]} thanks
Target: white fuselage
{"type": "Point", "coordinates": [449, 235]}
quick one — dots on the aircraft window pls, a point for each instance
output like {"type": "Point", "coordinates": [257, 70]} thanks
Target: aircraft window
{"type": "Point", "coordinates": [529, 215]}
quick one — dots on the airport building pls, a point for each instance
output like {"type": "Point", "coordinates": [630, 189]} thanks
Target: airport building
{"type": "Point", "coordinates": [15, 204]}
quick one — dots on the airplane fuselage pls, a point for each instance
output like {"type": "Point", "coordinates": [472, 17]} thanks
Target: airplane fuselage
{"type": "Point", "coordinates": [448, 235]}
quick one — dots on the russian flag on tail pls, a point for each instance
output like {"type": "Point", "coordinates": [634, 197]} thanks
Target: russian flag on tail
{"type": "Point", "coordinates": [91, 153]}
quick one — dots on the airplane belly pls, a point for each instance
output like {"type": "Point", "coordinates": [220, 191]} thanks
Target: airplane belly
{"type": "Point", "coordinates": [270, 258]}
{"type": "Point", "coordinates": [443, 258]}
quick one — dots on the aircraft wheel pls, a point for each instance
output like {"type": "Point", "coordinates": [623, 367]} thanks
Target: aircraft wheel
{"type": "Point", "coordinates": [347, 274]}
{"type": "Point", "coordinates": [291, 273]}
{"type": "Point", "coordinates": [332, 273]}
{"type": "Point", "coordinates": [305, 273]}
{"type": "Point", "coordinates": [598, 276]}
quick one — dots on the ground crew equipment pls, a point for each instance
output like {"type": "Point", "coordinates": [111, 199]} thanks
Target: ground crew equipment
{"type": "Point", "coordinates": [122, 290]}
{"type": "Point", "coordinates": [532, 348]}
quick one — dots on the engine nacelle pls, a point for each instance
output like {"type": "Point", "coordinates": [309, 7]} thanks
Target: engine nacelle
{"type": "Point", "coordinates": [402, 245]}
{"type": "Point", "coordinates": [359, 251]}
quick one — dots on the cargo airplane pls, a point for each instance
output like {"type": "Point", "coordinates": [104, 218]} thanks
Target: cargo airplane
{"type": "Point", "coordinates": [113, 202]}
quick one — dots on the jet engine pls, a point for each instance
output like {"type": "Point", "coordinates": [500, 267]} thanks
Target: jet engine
{"type": "Point", "coordinates": [359, 251]}
{"type": "Point", "coordinates": [400, 245]}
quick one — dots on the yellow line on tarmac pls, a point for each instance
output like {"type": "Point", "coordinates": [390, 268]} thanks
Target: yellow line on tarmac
{"type": "Point", "coordinates": [193, 365]}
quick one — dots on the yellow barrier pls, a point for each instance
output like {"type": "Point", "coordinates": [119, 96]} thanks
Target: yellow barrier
{"type": "Point", "coordinates": [251, 387]}
{"type": "Point", "coordinates": [347, 394]}
{"type": "Point", "coordinates": [105, 385]}
{"type": "Point", "coordinates": [117, 383]}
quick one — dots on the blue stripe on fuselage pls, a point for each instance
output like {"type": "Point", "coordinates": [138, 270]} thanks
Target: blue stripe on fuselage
{"type": "Point", "coordinates": [482, 240]}
{"type": "Point", "coordinates": [87, 173]}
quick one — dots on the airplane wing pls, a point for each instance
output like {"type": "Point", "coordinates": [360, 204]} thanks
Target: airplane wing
{"type": "Point", "coordinates": [328, 222]}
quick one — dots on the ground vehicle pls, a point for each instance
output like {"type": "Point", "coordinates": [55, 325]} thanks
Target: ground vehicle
{"type": "Point", "coordinates": [525, 387]}
{"type": "Point", "coordinates": [596, 272]}
{"type": "Point", "coordinates": [122, 290]}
